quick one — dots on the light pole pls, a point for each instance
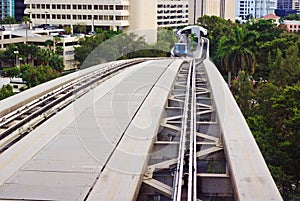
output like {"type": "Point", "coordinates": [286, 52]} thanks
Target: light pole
{"type": "Point", "coordinates": [29, 13]}
{"type": "Point", "coordinates": [20, 61]}
{"type": "Point", "coordinates": [16, 52]}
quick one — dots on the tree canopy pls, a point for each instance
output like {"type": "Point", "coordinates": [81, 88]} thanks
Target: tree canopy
{"type": "Point", "coordinates": [269, 99]}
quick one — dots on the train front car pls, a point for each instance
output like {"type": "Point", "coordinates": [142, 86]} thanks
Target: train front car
{"type": "Point", "coordinates": [180, 49]}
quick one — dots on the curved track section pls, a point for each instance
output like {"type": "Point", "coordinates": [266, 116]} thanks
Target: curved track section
{"type": "Point", "coordinates": [71, 154]}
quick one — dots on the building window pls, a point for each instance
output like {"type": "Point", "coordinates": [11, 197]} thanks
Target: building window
{"type": "Point", "coordinates": [84, 17]}
{"type": "Point", "coordinates": [111, 7]}
{"type": "Point", "coordinates": [68, 6]}
{"type": "Point", "coordinates": [53, 6]}
{"type": "Point", "coordinates": [100, 7]}
{"type": "Point", "coordinates": [119, 7]}
{"type": "Point", "coordinates": [84, 7]}
{"type": "Point", "coordinates": [47, 6]}
{"type": "Point", "coordinates": [105, 7]}
{"type": "Point", "coordinates": [53, 16]}
{"type": "Point", "coordinates": [95, 7]}
{"type": "Point", "coordinates": [74, 7]}
{"type": "Point", "coordinates": [33, 6]}
{"type": "Point", "coordinates": [74, 17]}
{"type": "Point", "coordinates": [89, 7]}
{"type": "Point", "coordinates": [68, 17]}
{"type": "Point", "coordinates": [111, 17]}
{"type": "Point", "coordinates": [95, 17]}
{"type": "Point", "coordinates": [79, 7]}
{"type": "Point", "coordinates": [63, 6]}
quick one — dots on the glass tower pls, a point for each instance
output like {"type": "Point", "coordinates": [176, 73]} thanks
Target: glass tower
{"type": "Point", "coordinates": [7, 8]}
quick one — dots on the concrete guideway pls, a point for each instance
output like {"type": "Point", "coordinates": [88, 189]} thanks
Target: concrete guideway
{"type": "Point", "coordinates": [250, 176]}
{"type": "Point", "coordinates": [62, 148]}
{"type": "Point", "coordinates": [124, 172]}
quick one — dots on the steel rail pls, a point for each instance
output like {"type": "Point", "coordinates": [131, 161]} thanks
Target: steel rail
{"type": "Point", "coordinates": [192, 194]}
{"type": "Point", "coordinates": [185, 131]}
{"type": "Point", "coordinates": [15, 125]}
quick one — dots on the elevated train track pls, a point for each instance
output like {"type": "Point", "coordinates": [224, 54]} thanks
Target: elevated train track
{"type": "Point", "coordinates": [119, 134]}
{"type": "Point", "coordinates": [16, 124]}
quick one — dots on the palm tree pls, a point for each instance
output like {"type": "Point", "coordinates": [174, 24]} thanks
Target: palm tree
{"type": "Point", "coordinates": [27, 21]}
{"type": "Point", "coordinates": [235, 54]}
{"type": "Point", "coordinates": [49, 43]}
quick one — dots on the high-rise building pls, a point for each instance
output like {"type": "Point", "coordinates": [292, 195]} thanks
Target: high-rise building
{"type": "Point", "coordinates": [296, 5]}
{"type": "Point", "coordinates": [7, 8]}
{"type": "Point", "coordinates": [12, 8]}
{"type": "Point", "coordinates": [19, 9]}
{"type": "Point", "coordinates": [246, 9]}
{"type": "Point", "coordinates": [285, 4]}
{"type": "Point", "coordinates": [172, 13]}
{"type": "Point", "coordinates": [222, 8]}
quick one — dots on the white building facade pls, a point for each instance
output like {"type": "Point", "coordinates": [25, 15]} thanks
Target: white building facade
{"type": "Point", "coordinates": [221, 8]}
{"type": "Point", "coordinates": [172, 13]}
{"type": "Point", "coordinates": [246, 9]}
{"type": "Point", "coordinates": [296, 5]}
{"type": "Point", "coordinates": [125, 15]}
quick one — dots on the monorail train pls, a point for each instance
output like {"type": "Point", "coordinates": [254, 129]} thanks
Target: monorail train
{"type": "Point", "coordinates": [180, 49]}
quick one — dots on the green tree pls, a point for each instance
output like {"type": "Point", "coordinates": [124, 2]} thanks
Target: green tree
{"type": "Point", "coordinates": [59, 50]}
{"type": "Point", "coordinates": [9, 20]}
{"type": "Point", "coordinates": [216, 27]}
{"type": "Point", "coordinates": [49, 43]}
{"type": "Point", "coordinates": [43, 56]}
{"type": "Point", "coordinates": [286, 71]}
{"type": "Point", "coordinates": [89, 43]}
{"type": "Point", "coordinates": [243, 91]}
{"type": "Point", "coordinates": [27, 22]}
{"type": "Point", "coordinates": [56, 62]}
{"type": "Point", "coordinates": [267, 30]}
{"type": "Point", "coordinates": [235, 53]}
{"type": "Point", "coordinates": [292, 17]}
{"type": "Point", "coordinates": [34, 76]}
{"type": "Point", "coordinates": [11, 72]}
{"type": "Point", "coordinates": [6, 91]}
{"type": "Point", "coordinates": [8, 57]}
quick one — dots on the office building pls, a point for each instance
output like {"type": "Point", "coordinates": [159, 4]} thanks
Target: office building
{"type": "Point", "coordinates": [140, 16]}
{"type": "Point", "coordinates": [222, 8]}
{"type": "Point", "coordinates": [19, 9]}
{"type": "Point", "coordinates": [247, 9]}
{"type": "Point", "coordinates": [296, 5]}
{"type": "Point", "coordinates": [285, 4]}
{"type": "Point", "coordinates": [12, 8]}
{"type": "Point", "coordinates": [7, 8]}
{"type": "Point", "coordinates": [172, 13]}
